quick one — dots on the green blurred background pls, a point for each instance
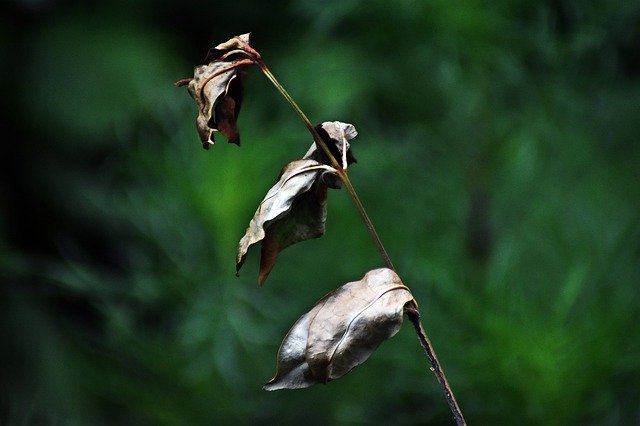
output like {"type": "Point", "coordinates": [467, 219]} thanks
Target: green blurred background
{"type": "Point", "coordinates": [498, 155]}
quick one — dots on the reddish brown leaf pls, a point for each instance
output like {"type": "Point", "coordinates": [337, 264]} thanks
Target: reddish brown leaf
{"type": "Point", "coordinates": [217, 89]}
{"type": "Point", "coordinates": [342, 330]}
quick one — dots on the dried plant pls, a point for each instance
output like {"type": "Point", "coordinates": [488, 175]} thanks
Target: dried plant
{"type": "Point", "coordinates": [346, 326]}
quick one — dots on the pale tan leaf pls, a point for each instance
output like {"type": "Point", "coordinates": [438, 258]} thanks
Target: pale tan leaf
{"type": "Point", "coordinates": [336, 135]}
{"type": "Point", "coordinates": [293, 210]}
{"type": "Point", "coordinates": [342, 330]}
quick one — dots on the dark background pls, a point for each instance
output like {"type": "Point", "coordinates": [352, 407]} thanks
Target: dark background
{"type": "Point", "coordinates": [498, 155]}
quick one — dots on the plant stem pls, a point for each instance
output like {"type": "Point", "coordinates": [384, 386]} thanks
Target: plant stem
{"type": "Point", "coordinates": [367, 220]}
{"type": "Point", "coordinates": [265, 70]}
{"type": "Point", "coordinates": [414, 316]}
{"type": "Point", "coordinates": [412, 313]}
{"type": "Point", "coordinates": [342, 174]}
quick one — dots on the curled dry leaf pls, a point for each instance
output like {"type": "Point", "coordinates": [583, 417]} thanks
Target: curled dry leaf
{"type": "Point", "coordinates": [336, 135]}
{"type": "Point", "coordinates": [342, 330]}
{"type": "Point", "coordinates": [294, 210]}
{"type": "Point", "coordinates": [217, 89]}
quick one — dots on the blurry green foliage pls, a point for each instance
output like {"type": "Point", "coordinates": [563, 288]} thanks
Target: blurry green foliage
{"type": "Point", "coordinates": [497, 154]}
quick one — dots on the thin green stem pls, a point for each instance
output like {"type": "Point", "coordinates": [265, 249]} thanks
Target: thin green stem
{"type": "Point", "coordinates": [367, 221]}
{"type": "Point", "coordinates": [265, 70]}
{"type": "Point", "coordinates": [342, 174]}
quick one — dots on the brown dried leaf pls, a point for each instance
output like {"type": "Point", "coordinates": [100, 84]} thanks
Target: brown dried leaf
{"type": "Point", "coordinates": [336, 135]}
{"type": "Point", "coordinates": [342, 330]}
{"type": "Point", "coordinates": [239, 44]}
{"type": "Point", "coordinates": [217, 89]}
{"type": "Point", "coordinates": [293, 210]}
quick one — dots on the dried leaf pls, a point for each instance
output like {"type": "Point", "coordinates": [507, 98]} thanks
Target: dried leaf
{"type": "Point", "coordinates": [336, 135]}
{"type": "Point", "coordinates": [293, 210]}
{"type": "Point", "coordinates": [342, 330]}
{"type": "Point", "coordinates": [239, 45]}
{"type": "Point", "coordinates": [217, 89]}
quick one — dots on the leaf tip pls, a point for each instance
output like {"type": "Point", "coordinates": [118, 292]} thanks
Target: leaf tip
{"type": "Point", "coordinates": [262, 277]}
{"type": "Point", "coordinates": [269, 387]}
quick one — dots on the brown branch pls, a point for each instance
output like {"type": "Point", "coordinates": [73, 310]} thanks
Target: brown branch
{"type": "Point", "coordinates": [414, 316]}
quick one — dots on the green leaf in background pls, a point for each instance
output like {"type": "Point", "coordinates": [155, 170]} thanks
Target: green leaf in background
{"type": "Point", "coordinates": [85, 79]}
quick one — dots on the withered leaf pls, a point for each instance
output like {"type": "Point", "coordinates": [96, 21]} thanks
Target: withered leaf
{"type": "Point", "coordinates": [336, 135]}
{"type": "Point", "coordinates": [293, 210]}
{"type": "Point", "coordinates": [217, 89]}
{"type": "Point", "coordinates": [342, 330]}
{"type": "Point", "coordinates": [238, 45]}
